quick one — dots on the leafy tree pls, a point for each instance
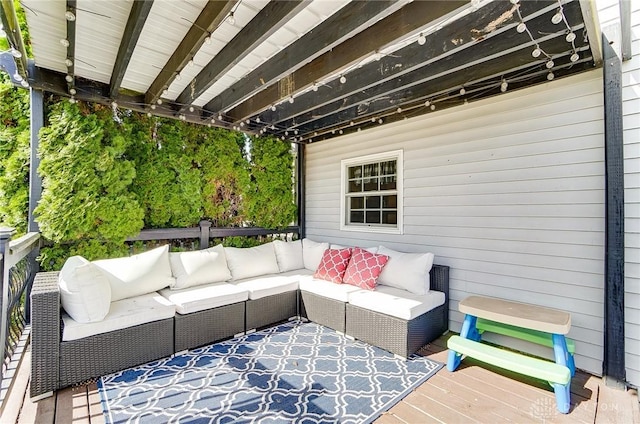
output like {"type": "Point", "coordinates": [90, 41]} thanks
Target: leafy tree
{"type": "Point", "coordinates": [14, 155]}
{"type": "Point", "coordinates": [271, 201]}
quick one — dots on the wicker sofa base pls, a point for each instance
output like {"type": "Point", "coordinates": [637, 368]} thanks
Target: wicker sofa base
{"type": "Point", "coordinates": [272, 309]}
{"type": "Point", "coordinates": [322, 310]}
{"type": "Point", "coordinates": [208, 326]}
{"type": "Point", "coordinates": [396, 335]}
{"type": "Point", "coordinates": [94, 356]}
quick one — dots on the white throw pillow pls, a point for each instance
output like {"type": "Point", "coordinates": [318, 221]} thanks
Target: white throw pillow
{"type": "Point", "coordinates": [85, 292]}
{"type": "Point", "coordinates": [408, 271]}
{"type": "Point", "coordinates": [251, 261]}
{"type": "Point", "coordinates": [199, 267]}
{"type": "Point", "coordinates": [138, 274]}
{"type": "Point", "coordinates": [312, 252]}
{"type": "Point", "coordinates": [289, 255]}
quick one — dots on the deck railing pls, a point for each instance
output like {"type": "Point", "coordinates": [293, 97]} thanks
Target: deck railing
{"type": "Point", "coordinates": [18, 267]}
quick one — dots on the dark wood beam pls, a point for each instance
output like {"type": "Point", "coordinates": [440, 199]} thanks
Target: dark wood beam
{"type": "Point", "coordinates": [14, 36]}
{"type": "Point", "coordinates": [36, 118]}
{"type": "Point", "coordinates": [451, 39]}
{"type": "Point", "coordinates": [71, 39]}
{"type": "Point", "coordinates": [391, 29]}
{"type": "Point", "coordinates": [137, 17]}
{"type": "Point", "coordinates": [270, 19]}
{"type": "Point", "coordinates": [449, 73]}
{"type": "Point", "coordinates": [213, 13]}
{"type": "Point", "coordinates": [97, 92]}
{"type": "Point", "coordinates": [349, 20]}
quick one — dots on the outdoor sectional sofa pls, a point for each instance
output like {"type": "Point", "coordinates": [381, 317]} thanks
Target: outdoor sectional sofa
{"type": "Point", "coordinates": [159, 304]}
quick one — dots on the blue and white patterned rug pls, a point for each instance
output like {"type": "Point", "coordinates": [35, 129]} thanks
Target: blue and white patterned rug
{"type": "Point", "coordinates": [293, 373]}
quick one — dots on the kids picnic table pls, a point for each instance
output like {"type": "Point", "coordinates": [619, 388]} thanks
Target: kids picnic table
{"type": "Point", "coordinates": [537, 324]}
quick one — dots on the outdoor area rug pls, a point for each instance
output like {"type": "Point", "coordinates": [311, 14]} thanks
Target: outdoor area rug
{"type": "Point", "coordinates": [293, 373]}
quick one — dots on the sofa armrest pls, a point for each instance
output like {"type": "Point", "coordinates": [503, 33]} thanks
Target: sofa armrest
{"type": "Point", "coordinates": [439, 280]}
{"type": "Point", "coordinates": [45, 333]}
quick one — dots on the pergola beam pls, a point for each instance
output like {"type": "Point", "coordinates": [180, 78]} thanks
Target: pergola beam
{"type": "Point", "coordinates": [137, 17]}
{"type": "Point", "coordinates": [71, 39]}
{"type": "Point", "coordinates": [14, 36]}
{"type": "Point", "coordinates": [213, 13]}
{"type": "Point", "coordinates": [396, 26]}
{"type": "Point", "coordinates": [349, 20]}
{"type": "Point", "coordinates": [273, 16]}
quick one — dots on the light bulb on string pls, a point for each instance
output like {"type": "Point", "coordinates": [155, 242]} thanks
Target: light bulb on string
{"type": "Point", "coordinates": [522, 27]}
{"type": "Point", "coordinates": [315, 86]}
{"type": "Point", "coordinates": [16, 53]}
{"type": "Point", "coordinates": [427, 103]}
{"type": "Point", "coordinates": [341, 132]}
{"type": "Point", "coordinates": [574, 57]}
{"type": "Point", "coordinates": [504, 85]}
{"type": "Point", "coordinates": [64, 42]}
{"type": "Point", "coordinates": [231, 19]}
{"type": "Point", "coordinates": [191, 63]}
{"type": "Point", "coordinates": [191, 109]}
{"type": "Point", "coordinates": [219, 117]}
{"type": "Point", "coordinates": [17, 77]}
{"type": "Point", "coordinates": [258, 120]}
{"type": "Point", "coordinates": [291, 100]}
{"type": "Point", "coordinates": [557, 18]}
{"type": "Point", "coordinates": [165, 92]}
{"type": "Point", "coordinates": [159, 101]}
{"type": "Point", "coordinates": [373, 119]}
{"type": "Point", "coordinates": [241, 124]}
{"type": "Point", "coordinates": [343, 79]}
{"type": "Point", "coordinates": [422, 39]}
{"type": "Point", "coordinates": [72, 91]}
{"type": "Point", "coordinates": [273, 108]}
{"type": "Point", "coordinates": [549, 64]}
{"type": "Point", "coordinates": [149, 115]}
{"type": "Point", "coordinates": [114, 105]}
{"type": "Point", "coordinates": [213, 120]}
{"type": "Point", "coordinates": [463, 91]}
{"type": "Point", "coordinates": [550, 76]}
{"type": "Point", "coordinates": [207, 39]}
{"type": "Point", "coordinates": [399, 110]}
{"type": "Point", "coordinates": [536, 52]}
{"type": "Point", "coordinates": [570, 37]}
{"type": "Point", "coordinates": [380, 121]}
{"type": "Point", "coordinates": [152, 106]}
{"type": "Point", "coordinates": [432, 107]}
{"type": "Point", "coordinates": [68, 62]}
{"type": "Point", "coordinates": [24, 83]}
{"type": "Point", "coordinates": [68, 78]}
{"type": "Point", "coordinates": [69, 16]}
{"type": "Point", "coordinates": [178, 76]}
{"type": "Point", "coordinates": [72, 100]}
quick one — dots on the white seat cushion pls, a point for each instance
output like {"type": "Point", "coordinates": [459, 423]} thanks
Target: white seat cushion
{"type": "Point", "coordinates": [339, 292]}
{"type": "Point", "coordinates": [267, 285]}
{"type": "Point", "coordinates": [122, 314]}
{"type": "Point", "coordinates": [298, 274]}
{"type": "Point", "coordinates": [199, 298]}
{"type": "Point", "coordinates": [397, 302]}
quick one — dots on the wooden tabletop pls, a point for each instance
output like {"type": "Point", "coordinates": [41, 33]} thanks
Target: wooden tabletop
{"type": "Point", "coordinates": [519, 314]}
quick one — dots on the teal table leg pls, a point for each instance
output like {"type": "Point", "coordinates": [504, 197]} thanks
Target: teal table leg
{"type": "Point", "coordinates": [468, 331]}
{"type": "Point", "coordinates": [563, 357]}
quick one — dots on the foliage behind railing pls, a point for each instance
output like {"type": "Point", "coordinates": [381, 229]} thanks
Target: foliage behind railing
{"type": "Point", "coordinates": [18, 267]}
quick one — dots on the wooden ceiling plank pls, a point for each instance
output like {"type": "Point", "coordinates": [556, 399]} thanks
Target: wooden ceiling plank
{"type": "Point", "coordinates": [213, 13]}
{"type": "Point", "coordinates": [396, 93]}
{"type": "Point", "coordinates": [350, 20]}
{"type": "Point", "coordinates": [137, 17]}
{"type": "Point", "coordinates": [411, 17]}
{"type": "Point", "coordinates": [273, 16]}
{"type": "Point", "coordinates": [405, 61]}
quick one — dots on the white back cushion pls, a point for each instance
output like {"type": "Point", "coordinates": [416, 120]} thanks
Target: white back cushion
{"type": "Point", "coordinates": [408, 271]}
{"type": "Point", "coordinates": [199, 267]}
{"type": "Point", "coordinates": [138, 274]}
{"type": "Point", "coordinates": [251, 261]}
{"type": "Point", "coordinates": [85, 292]}
{"type": "Point", "coordinates": [289, 255]}
{"type": "Point", "coordinates": [312, 252]}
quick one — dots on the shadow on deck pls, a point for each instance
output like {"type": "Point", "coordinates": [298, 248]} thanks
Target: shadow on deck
{"type": "Point", "coordinates": [475, 393]}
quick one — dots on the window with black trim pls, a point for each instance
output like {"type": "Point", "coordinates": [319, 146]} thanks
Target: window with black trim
{"type": "Point", "coordinates": [372, 193]}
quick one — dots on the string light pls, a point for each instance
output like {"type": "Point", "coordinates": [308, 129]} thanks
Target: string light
{"type": "Point", "coordinates": [153, 106]}
{"type": "Point", "coordinates": [219, 117]}
{"type": "Point", "coordinates": [69, 16]}
{"type": "Point", "coordinates": [522, 27]}
{"type": "Point", "coordinates": [343, 79]}
{"type": "Point", "coordinates": [574, 57]}
{"type": "Point", "coordinates": [68, 78]}
{"type": "Point", "coordinates": [159, 101]}
{"type": "Point", "coordinates": [422, 39]}
{"type": "Point", "coordinates": [399, 110]}
{"type": "Point", "coordinates": [549, 64]}
{"type": "Point", "coordinates": [557, 18]}
{"type": "Point", "coordinates": [504, 85]}
{"type": "Point", "coordinates": [191, 109]}
{"type": "Point", "coordinates": [315, 86]}
{"type": "Point", "coordinates": [207, 39]}
{"type": "Point", "coordinates": [24, 83]}
{"type": "Point", "coordinates": [536, 52]}
{"type": "Point", "coordinates": [64, 42]}
{"type": "Point", "coordinates": [114, 105]}
{"type": "Point", "coordinates": [68, 62]}
{"type": "Point", "coordinates": [178, 76]}
{"type": "Point", "coordinates": [432, 107]}
{"type": "Point", "coordinates": [462, 91]}
{"type": "Point", "coordinates": [231, 19]}
{"type": "Point", "coordinates": [427, 103]}
{"type": "Point", "coordinates": [17, 77]}
{"type": "Point", "coordinates": [571, 37]}
{"type": "Point", "coordinates": [16, 53]}
{"type": "Point", "coordinates": [273, 108]}
{"type": "Point", "coordinates": [72, 91]}
{"type": "Point", "coordinates": [190, 63]}
{"type": "Point", "coordinates": [550, 76]}
{"type": "Point", "coordinates": [291, 100]}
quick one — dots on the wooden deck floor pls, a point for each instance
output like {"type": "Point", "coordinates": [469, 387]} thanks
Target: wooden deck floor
{"type": "Point", "coordinates": [475, 393]}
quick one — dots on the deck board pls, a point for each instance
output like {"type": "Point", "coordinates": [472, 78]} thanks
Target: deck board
{"type": "Point", "coordinates": [475, 392]}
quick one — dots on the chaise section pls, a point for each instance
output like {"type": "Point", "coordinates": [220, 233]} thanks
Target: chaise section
{"type": "Point", "coordinates": [207, 314]}
{"type": "Point", "coordinates": [400, 335]}
{"type": "Point", "coordinates": [323, 302]}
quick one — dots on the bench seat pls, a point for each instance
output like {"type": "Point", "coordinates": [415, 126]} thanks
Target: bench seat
{"type": "Point", "coordinates": [532, 367]}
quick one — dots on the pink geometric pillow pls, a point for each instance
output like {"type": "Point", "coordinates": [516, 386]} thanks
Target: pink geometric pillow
{"type": "Point", "coordinates": [364, 269]}
{"type": "Point", "coordinates": [333, 265]}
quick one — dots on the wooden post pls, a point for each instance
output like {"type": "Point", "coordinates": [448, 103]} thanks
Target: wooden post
{"type": "Point", "coordinates": [614, 350]}
{"type": "Point", "coordinates": [35, 181]}
{"type": "Point", "coordinates": [204, 233]}
{"type": "Point", "coordinates": [300, 189]}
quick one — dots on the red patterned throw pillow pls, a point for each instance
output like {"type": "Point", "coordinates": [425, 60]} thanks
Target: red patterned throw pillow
{"type": "Point", "coordinates": [333, 265]}
{"type": "Point", "coordinates": [364, 269]}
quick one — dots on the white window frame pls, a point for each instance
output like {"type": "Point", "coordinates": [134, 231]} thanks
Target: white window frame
{"type": "Point", "coordinates": [344, 180]}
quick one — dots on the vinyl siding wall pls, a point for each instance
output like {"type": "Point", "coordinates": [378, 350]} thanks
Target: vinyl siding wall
{"type": "Point", "coordinates": [509, 192]}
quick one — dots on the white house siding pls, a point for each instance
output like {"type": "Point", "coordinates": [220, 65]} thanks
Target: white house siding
{"type": "Point", "coordinates": [509, 192]}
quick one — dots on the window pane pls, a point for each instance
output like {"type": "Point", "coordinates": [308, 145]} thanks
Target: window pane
{"type": "Point", "coordinates": [388, 168]}
{"type": "Point", "coordinates": [355, 172]}
{"type": "Point", "coordinates": [390, 201]}
{"type": "Point", "coordinates": [355, 186]}
{"type": "Point", "coordinates": [357, 217]}
{"type": "Point", "coordinates": [373, 202]}
{"type": "Point", "coordinates": [389, 217]}
{"type": "Point", "coordinates": [373, 217]}
{"type": "Point", "coordinates": [371, 170]}
{"type": "Point", "coordinates": [357, 203]}
{"type": "Point", "coordinates": [370, 184]}
{"type": "Point", "coordinates": [388, 183]}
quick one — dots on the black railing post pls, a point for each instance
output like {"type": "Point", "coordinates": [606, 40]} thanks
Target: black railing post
{"type": "Point", "coordinates": [204, 233]}
{"type": "Point", "coordinates": [5, 237]}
